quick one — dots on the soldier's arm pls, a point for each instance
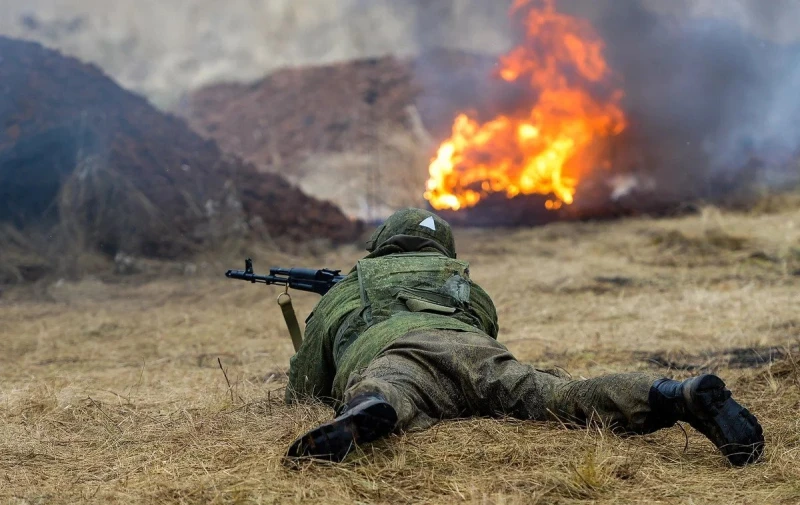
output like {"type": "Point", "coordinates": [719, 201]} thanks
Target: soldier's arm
{"type": "Point", "coordinates": [482, 307]}
{"type": "Point", "coordinates": [311, 369]}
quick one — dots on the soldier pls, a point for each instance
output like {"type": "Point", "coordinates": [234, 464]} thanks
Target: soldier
{"type": "Point", "coordinates": [408, 339]}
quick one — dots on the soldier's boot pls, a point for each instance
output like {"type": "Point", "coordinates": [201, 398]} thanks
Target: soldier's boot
{"type": "Point", "coordinates": [706, 404]}
{"type": "Point", "coordinates": [364, 419]}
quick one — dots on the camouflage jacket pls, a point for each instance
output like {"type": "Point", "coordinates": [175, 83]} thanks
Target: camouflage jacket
{"type": "Point", "coordinates": [398, 289]}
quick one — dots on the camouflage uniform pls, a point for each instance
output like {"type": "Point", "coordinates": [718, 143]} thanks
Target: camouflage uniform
{"type": "Point", "coordinates": [409, 324]}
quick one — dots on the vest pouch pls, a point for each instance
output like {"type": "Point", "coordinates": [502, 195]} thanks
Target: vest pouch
{"type": "Point", "coordinates": [412, 282]}
{"type": "Point", "coordinates": [425, 302]}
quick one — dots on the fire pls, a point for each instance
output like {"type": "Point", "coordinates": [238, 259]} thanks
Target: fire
{"type": "Point", "coordinates": [545, 147]}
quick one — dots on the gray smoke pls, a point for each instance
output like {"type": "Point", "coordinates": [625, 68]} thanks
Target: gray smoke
{"type": "Point", "coordinates": [711, 94]}
{"type": "Point", "coordinates": [712, 89]}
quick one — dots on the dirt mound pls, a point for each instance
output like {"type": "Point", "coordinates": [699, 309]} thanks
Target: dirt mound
{"type": "Point", "coordinates": [86, 163]}
{"type": "Point", "coordinates": [355, 119]}
{"type": "Point", "coordinates": [362, 134]}
{"type": "Point", "coordinates": [297, 111]}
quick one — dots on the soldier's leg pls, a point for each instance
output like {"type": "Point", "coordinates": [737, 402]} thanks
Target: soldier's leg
{"type": "Point", "coordinates": [620, 401]}
{"type": "Point", "coordinates": [433, 375]}
{"type": "Point", "coordinates": [409, 386]}
{"type": "Point", "coordinates": [427, 376]}
{"type": "Point", "coordinates": [415, 377]}
{"type": "Point", "coordinates": [498, 384]}
{"type": "Point", "coordinates": [634, 403]}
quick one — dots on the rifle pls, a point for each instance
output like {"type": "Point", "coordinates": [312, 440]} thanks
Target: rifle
{"type": "Point", "coordinates": [301, 279]}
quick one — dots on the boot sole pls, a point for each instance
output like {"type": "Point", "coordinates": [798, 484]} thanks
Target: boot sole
{"type": "Point", "coordinates": [334, 440]}
{"type": "Point", "coordinates": [731, 427]}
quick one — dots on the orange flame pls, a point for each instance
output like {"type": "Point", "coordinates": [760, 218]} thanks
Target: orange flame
{"type": "Point", "coordinates": [545, 148]}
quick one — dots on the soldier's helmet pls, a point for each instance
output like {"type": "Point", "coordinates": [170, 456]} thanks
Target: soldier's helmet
{"type": "Point", "coordinates": [417, 223]}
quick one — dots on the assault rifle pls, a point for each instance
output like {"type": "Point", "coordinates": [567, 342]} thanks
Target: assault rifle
{"type": "Point", "coordinates": [301, 279]}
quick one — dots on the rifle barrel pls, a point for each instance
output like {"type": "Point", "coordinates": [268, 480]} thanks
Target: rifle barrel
{"type": "Point", "coordinates": [302, 279]}
{"type": "Point", "coordinates": [251, 277]}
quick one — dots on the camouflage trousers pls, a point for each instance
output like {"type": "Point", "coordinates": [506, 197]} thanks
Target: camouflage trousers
{"type": "Point", "coordinates": [433, 375]}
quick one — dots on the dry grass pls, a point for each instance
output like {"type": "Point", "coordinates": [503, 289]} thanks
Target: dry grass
{"type": "Point", "coordinates": [111, 392]}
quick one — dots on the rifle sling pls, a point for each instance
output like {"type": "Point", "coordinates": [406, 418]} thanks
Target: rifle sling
{"type": "Point", "coordinates": [285, 303]}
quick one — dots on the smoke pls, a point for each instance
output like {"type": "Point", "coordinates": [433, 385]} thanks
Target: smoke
{"type": "Point", "coordinates": [470, 25]}
{"type": "Point", "coordinates": [711, 84]}
{"type": "Point", "coordinates": [710, 92]}
{"type": "Point", "coordinates": [164, 48]}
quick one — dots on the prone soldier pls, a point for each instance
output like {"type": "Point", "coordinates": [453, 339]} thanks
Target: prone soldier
{"type": "Point", "coordinates": [408, 339]}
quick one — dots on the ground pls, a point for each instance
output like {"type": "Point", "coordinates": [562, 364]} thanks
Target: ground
{"type": "Point", "coordinates": [111, 391]}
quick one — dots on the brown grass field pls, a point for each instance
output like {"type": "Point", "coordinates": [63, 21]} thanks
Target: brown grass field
{"type": "Point", "coordinates": [111, 392]}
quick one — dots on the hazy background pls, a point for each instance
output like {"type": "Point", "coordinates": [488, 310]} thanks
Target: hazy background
{"type": "Point", "coordinates": [711, 85]}
{"type": "Point", "coordinates": [162, 48]}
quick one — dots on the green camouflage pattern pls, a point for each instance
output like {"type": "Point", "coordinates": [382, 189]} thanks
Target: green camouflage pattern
{"type": "Point", "coordinates": [432, 375]}
{"type": "Point", "coordinates": [409, 324]}
{"type": "Point", "coordinates": [413, 282]}
{"type": "Point", "coordinates": [390, 293]}
{"type": "Point", "coordinates": [334, 346]}
{"type": "Point", "coordinates": [407, 222]}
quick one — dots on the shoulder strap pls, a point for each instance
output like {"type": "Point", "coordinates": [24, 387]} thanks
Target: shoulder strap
{"type": "Point", "coordinates": [285, 303]}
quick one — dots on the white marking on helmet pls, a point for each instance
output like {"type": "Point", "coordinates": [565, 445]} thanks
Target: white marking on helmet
{"type": "Point", "coordinates": [428, 223]}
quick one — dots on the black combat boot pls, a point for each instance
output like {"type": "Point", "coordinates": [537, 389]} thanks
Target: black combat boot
{"type": "Point", "coordinates": [706, 404]}
{"type": "Point", "coordinates": [364, 419]}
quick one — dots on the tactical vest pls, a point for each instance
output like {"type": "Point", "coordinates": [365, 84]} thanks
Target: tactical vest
{"type": "Point", "coordinates": [409, 282]}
